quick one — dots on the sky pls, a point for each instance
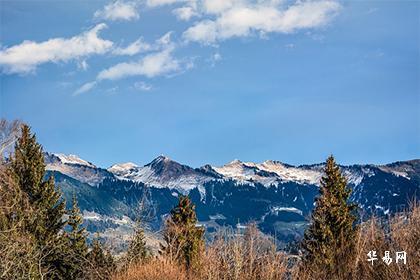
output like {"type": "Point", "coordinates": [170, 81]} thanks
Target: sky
{"type": "Point", "coordinates": [209, 81]}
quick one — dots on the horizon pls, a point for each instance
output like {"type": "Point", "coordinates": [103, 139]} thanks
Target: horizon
{"type": "Point", "coordinates": [210, 81]}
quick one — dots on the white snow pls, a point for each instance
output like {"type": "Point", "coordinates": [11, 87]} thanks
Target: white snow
{"type": "Point", "coordinates": [122, 167]}
{"type": "Point", "coordinates": [75, 167]}
{"type": "Point", "coordinates": [93, 216]}
{"type": "Point", "coordinates": [401, 174]}
{"type": "Point", "coordinates": [90, 215]}
{"type": "Point", "coordinates": [354, 178]}
{"type": "Point", "coordinates": [286, 209]}
{"type": "Point", "coordinates": [245, 171]}
{"type": "Point", "coordinates": [73, 159]}
{"type": "Point", "coordinates": [287, 173]}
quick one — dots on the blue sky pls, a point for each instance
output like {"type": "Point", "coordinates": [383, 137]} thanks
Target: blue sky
{"type": "Point", "coordinates": [210, 81]}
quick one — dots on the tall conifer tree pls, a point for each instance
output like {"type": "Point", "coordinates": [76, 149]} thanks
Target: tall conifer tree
{"type": "Point", "coordinates": [101, 263]}
{"type": "Point", "coordinates": [331, 231]}
{"type": "Point", "coordinates": [137, 250]}
{"type": "Point", "coordinates": [78, 249]}
{"type": "Point", "coordinates": [28, 167]}
{"type": "Point", "coordinates": [183, 239]}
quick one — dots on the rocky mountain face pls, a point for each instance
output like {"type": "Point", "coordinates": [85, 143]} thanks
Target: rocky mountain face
{"type": "Point", "coordinates": [278, 196]}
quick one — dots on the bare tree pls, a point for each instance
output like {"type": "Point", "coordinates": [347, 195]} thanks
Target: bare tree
{"type": "Point", "coordinates": [9, 132]}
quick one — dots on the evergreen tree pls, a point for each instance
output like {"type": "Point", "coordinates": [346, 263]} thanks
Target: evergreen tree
{"type": "Point", "coordinates": [76, 236]}
{"type": "Point", "coordinates": [331, 232]}
{"type": "Point", "coordinates": [137, 250]}
{"type": "Point", "coordinates": [183, 239]}
{"type": "Point", "coordinates": [100, 261]}
{"type": "Point", "coordinates": [29, 168]}
{"type": "Point", "coordinates": [47, 222]}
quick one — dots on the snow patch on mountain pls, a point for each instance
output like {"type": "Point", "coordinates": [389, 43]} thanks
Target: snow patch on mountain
{"type": "Point", "coordinates": [73, 159]}
{"type": "Point", "coordinates": [290, 173]}
{"type": "Point", "coordinates": [277, 209]}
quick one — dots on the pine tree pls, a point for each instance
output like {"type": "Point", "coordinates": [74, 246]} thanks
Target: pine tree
{"type": "Point", "coordinates": [100, 261]}
{"type": "Point", "coordinates": [28, 163]}
{"type": "Point", "coordinates": [137, 250]}
{"type": "Point", "coordinates": [76, 236]}
{"type": "Point", "coordinates": [331, 231]}
{"type": "Point", "coordinates": [47, 223]}
{"type": "Point", "coordinates": [29, 167]}
{"type": "Point", "coordinates": [183, 239]}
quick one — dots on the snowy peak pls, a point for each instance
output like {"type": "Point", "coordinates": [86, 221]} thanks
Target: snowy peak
{"type": "Point", "coordinates": [164, 166]}
{"type": "Point", "coordinates": [73, 159]}
{"type": "Point", "coordinates": [121, 167]}
{"type": "Point", "coordinates": [163, 172]}
{"type": "Point", "coordinates": [246, 171]}
{"type": "Point", "coordinates": [75, 167]}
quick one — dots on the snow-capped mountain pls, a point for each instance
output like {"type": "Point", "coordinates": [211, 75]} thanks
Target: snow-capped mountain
{"type": "Point", "coordinates": [162, 172]}
{"type": "Point", "coordinates": [276, 195]}
{"type": "Point", "coordinates": [75, 167]}
{"type": "Point", "coordinates": [166, 173]}
{"type": "Point", "coordinates": [73, 159]}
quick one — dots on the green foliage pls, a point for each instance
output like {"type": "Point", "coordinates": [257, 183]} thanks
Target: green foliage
{"type": "Point", "coordinates": [100, 261]}
{"type": "Point", "coordinates": [46, 222]}
{"type": "Point", "coordinates": [137, 251]}
{"type": "Point", "coordinates": [332, 230]}
{"type": "Point", "coordinates": [29, 168]}
{"type": "Point", "coordinates": [76, 237]}
{"type": "Point", "coordinates": [183, 239]}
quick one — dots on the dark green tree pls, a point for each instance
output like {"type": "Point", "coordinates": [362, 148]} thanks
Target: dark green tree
{"type": "Point", "coordinates": [331, 232]}
{"type": "Point", "coordinates": [183, 239]}
{"type": "Point", "coordinates": [76, 236]}
{"type": "Point", "coordinates": [100, 262]}
{"type": "Point", "coordinates": [47, 223]}
{"type": "Point", "coordinates": [29, 168]}
{"type": "Point", "coordinates": [137, 250]}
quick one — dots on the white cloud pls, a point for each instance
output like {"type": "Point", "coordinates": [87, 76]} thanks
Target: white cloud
{"type": "Point", "coordinates": [151, 65]}
{"type": "Point", "coordinates": [140, 46]}
{"type": "Point", "coordinates": [142, 86]}
{"type": "Point", "coordinates": [83, 65]}
{"type": "Point", "coordinates": [218, 6]}
{"type": "Point", "coordinates": [185, 13]}
{"type": "Point", "coordinates": [240, 18]}
{"type": "Point", "coordinates": [205, 32]}
{"type": "Point", "coordinates": [85, 88]}
{"type": "Point", "coordinates": [165, 40]}
{"type": "Point", "coordinates": [118, 10]}
{"type": "Point", "coordinates": [25, 57]}
{"type": "Point", "coordinates": [155, 3]}
{"type": "Point", "coordinates": [157, 63]}
{"type": "Point", "coordinates": [136, 47]}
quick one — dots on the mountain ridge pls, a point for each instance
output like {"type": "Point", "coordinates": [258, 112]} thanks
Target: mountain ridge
{"type": "Point", "coordinates": [276, 195]}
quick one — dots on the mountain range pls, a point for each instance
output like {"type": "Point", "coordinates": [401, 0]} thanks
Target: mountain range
{"type": "Point", "coordinates": [277, 196]}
